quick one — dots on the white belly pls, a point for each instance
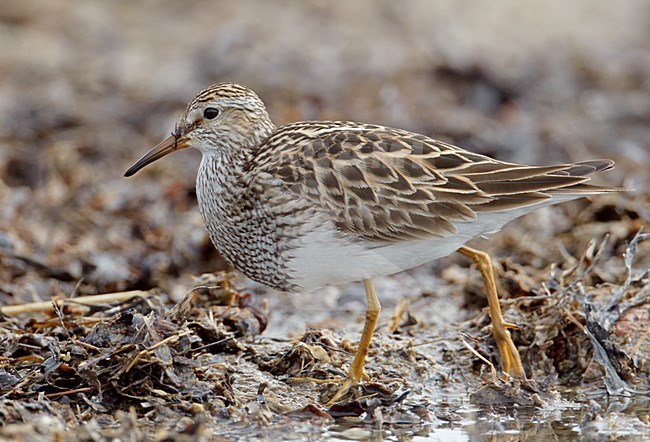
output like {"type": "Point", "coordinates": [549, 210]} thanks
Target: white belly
{"type": "Point", "coordinates": [326, 257]}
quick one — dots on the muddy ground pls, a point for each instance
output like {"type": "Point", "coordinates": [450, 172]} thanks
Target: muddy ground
{"type": "Point", "coordinates": [200, 352]}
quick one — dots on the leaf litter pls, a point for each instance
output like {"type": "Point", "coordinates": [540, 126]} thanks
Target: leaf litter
{"type": "Point", "coordinates": [203, 358]}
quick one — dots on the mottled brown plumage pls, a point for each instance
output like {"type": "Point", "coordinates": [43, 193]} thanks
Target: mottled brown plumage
{"type": "Point", "coordinates": [391, 185]}
{"type": "Point", "coordinates": [325, 202]}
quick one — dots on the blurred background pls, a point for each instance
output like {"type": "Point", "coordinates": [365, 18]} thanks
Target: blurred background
{"type": "Point", "coordinates": [87, 87]}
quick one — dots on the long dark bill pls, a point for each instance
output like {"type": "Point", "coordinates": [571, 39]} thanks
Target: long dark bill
{"type": "Point", "coordinates": [168, 145]}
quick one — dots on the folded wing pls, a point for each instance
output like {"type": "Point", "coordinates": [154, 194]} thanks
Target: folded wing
{"type": "Point", "coordinates": [391, 185]}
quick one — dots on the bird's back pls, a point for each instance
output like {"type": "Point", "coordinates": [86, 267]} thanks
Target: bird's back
{"type": "Point", "coordinates": [373, 200]}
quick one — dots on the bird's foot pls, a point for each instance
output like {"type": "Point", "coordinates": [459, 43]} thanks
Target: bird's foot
{"type": "Point", "coordinates": [509, 355]}
{"type": "Point", "coordinates": [346, 383]}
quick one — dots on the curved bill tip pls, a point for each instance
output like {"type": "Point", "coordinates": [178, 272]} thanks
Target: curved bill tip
{"type": "Point", "coordinates": [165, 147]}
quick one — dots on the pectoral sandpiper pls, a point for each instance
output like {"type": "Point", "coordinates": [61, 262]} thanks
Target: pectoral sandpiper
{"type": "Point", "coordinates": [313, 203]}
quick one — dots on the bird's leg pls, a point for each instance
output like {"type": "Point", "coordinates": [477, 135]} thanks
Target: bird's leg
{"type": "Point", "coordinates": [356, 369]}
{"type": "Point", "coordinates": [510, 359]}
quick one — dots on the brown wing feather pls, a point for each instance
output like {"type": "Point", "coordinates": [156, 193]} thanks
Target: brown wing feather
{"type": "Point", "coordinates": [392, 185]}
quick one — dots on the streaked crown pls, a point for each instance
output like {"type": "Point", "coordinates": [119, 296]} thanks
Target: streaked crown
{"type": "Point", "coordinates": [238, 118]}
{"type": "Point", "coordinates": [235, 94]}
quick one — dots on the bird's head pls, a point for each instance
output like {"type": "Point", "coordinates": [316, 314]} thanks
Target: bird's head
{"type": "Point", "coordinates": [220, 119]}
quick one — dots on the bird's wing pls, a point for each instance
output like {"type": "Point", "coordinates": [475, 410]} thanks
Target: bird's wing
{"type": "Point", "coordinates": [392, 185]}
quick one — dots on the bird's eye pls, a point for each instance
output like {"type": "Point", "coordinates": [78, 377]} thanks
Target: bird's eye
{"type": "Point", "coordinates": [210, 113]}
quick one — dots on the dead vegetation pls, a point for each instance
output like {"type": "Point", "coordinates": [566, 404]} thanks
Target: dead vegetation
{"type": "Point", "coordinates": [89, 86]}
{"type": "Point", "coordinates": [583, 324]}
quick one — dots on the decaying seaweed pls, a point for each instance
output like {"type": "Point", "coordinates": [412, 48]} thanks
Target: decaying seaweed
{"type": "Point", "coordinates": [163, 355]}
{"type": "Point", "coordinates": [202, 357]}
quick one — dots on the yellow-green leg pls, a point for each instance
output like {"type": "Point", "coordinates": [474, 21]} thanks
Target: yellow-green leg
{"type": "Point", "coordinates": [510, 360]}
{"type": "Point", "coordinates": [356, 369]}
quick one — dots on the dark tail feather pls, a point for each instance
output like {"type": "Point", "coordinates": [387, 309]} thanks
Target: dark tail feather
{"type": "Point", "coordinates": [583, 168]}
